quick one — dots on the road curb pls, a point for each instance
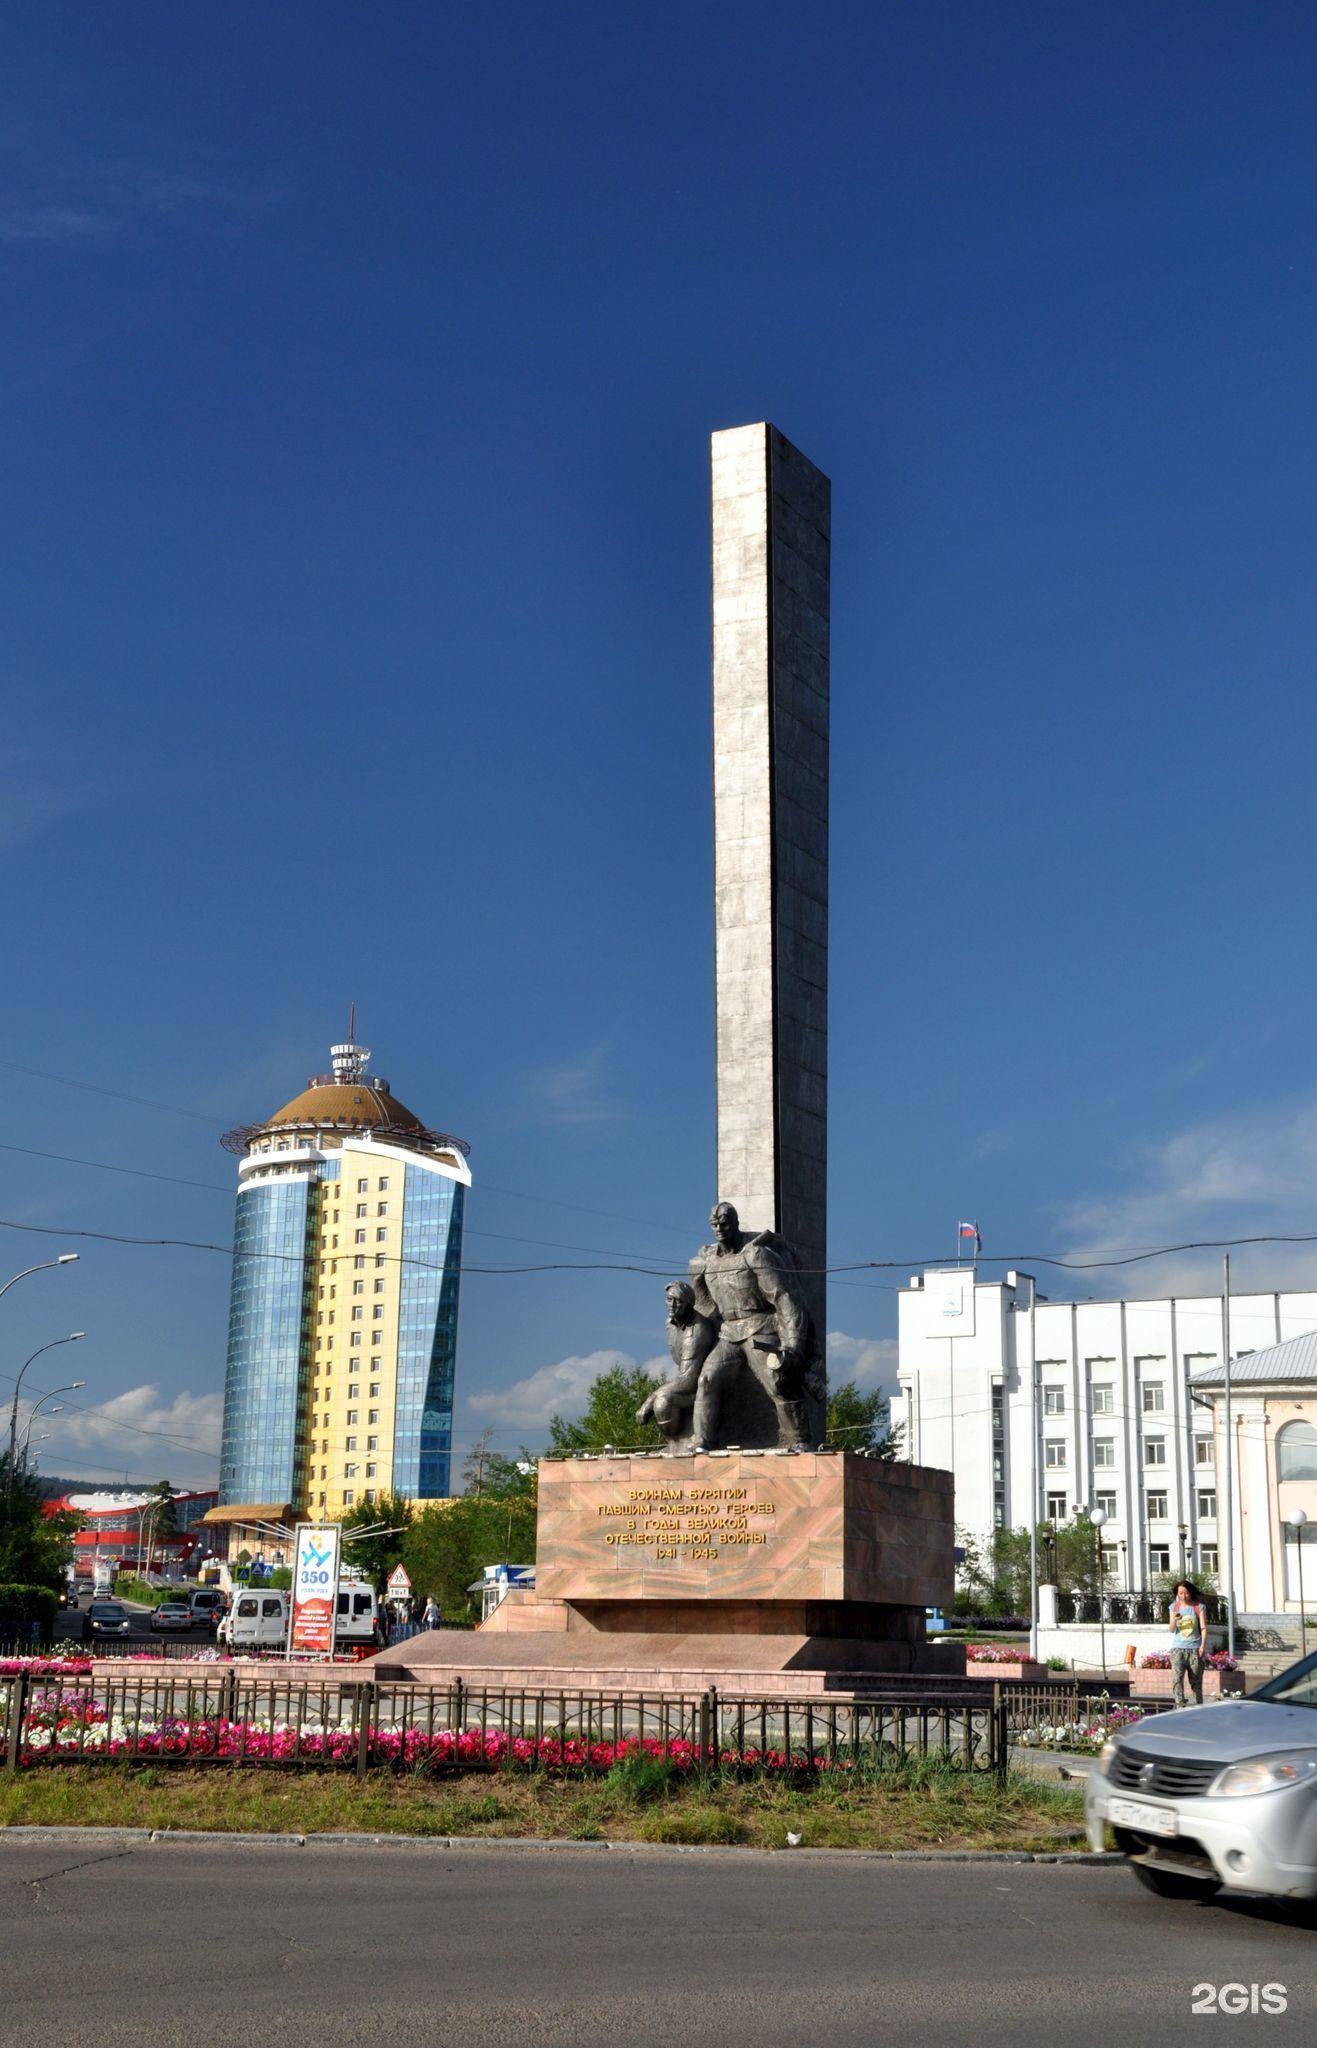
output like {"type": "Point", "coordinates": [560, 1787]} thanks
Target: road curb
{"type": "Point", "coordinates": [191, 1837]}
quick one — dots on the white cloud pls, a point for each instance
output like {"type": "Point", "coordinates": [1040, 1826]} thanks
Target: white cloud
{"type": "Point", "coordinates": [869, 1361]}
{"type": "Point", "coordinates": [577, 1092]}
{"type": "Point", "coordinates": [559, 1389]}
{"type": "Point", "coordinates": [1250, 1174]}
{"type": "Point", "coordinates": [562, 1388]}
{"type": "Point", "coordinates": [138, 1429]}
{"type": "Point", "coordinates": [73, 201]}
{"type": "Point", "coordinates": [37, 793]}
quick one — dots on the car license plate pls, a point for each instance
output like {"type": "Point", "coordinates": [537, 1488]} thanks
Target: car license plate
{"type": "Point", "coordinates": [1137, 1813]}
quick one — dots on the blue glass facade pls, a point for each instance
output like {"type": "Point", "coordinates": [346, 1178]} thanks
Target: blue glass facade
{"type": "Point", "coordinates": [427, 1333]}
{"type": "Point", "coordinates": [261, 1456]}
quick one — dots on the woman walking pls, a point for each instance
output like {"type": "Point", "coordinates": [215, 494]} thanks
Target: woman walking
{"type": "Point", "coordinates": [1188, 1618]}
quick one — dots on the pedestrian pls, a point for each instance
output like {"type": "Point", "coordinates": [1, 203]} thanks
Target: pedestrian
{"type": "Point", "coordinates": [1188, 1619]}
{"type": "Point", "coordinates": [432, 1617]}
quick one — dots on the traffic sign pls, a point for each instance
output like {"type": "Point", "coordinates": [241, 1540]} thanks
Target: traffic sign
{"type": "Point", "coordinates": [399, 1581]}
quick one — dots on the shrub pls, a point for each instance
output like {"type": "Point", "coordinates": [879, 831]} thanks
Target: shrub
{"type": "Point", "coordinates": [27, 1613]}
{"type": "Point", "coordinates": [641, 1778]}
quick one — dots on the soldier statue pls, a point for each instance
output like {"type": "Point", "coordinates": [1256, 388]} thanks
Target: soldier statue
{"type": "Point", "coordinates": [745, 1297]}
{"type": "Point", "coordinates": [691, 1338]}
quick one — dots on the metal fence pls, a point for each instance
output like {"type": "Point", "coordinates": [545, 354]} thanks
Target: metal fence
{"type": "Point", "coordinates": [215, 1715]}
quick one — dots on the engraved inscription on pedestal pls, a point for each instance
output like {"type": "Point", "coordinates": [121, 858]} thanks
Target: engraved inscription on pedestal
{"type": "Point", "coordinates": [819, 1526]}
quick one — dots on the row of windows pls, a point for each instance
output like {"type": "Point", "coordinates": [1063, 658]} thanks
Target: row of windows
{"type": "Point", "coordinates": [1154, 1505]}
{"type": "Point", "coordinates": [1102, 1399]}
{"type": "Point", "coordinates": [1296, 1451]}
{"type": "Point", "coordinates": [1056, 1451]}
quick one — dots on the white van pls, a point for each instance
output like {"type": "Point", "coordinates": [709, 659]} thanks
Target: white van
{"type": "Point", "coordinates": [257, 1620]}
{"type": "Point", "coordinates": [358, 1621]}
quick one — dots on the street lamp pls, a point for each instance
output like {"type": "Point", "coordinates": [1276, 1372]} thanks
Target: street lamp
{"type": "Point", "coordinates": [64, 1259]}
{"type": "Point", "coordinates": [72, 1338]}
{"type": "Point", "coordinates": [71, 1388]}
{"type": "Point", "coordinates": [1099, 1520]}
{"type": "Point", "coordinates": [1298, 1521]}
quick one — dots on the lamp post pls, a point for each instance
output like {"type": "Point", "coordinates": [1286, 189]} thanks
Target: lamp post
{"type": "Point", "coordinates": [71, 1388]}
{"type": "Point", "coordinates": [72, 1338]}
{"type": "Point", "coordinates": [64, 1259]}
{"type": "Point", "coordinates": [1298, 1521]}
{"type": "Point", "coordinates": [1099, 1520]}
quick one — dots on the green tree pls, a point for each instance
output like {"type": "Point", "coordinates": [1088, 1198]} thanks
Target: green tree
{"type": "Point", "coordinates": [446, 1547]}
{"type": "Point", "coordinates": [855, 1419]}
{"type": "Point", "coordinates": [161, 1517]}
{"type": "Point", "coordinates": [512, 1478]}
{"type": "Point", "coordinates": [994, 1578]}
{"type": "Point", "coordinates": [610, 1415]}
{"type": "Point", "coordinates": [376, 1556]}
{"type": "Point", "coordinates": [34, 1547]}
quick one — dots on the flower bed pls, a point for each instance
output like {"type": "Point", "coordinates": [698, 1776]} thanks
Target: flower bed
{"type": "Point", "coordinates": [75, 1727]}
{"type": "Point", "coordinates": [1223, 1675]}
{"type": "Point", "coordinates": [998, 1661]}
{"type": "Point", "coordinates": [45, 1667]}
{"type": "Point", "coordinates": [1215, 1660]}
{"type": "Point", "coordinates": [1084, 1737]}
{"type": "Point", "coordinates": [1158, 1683]}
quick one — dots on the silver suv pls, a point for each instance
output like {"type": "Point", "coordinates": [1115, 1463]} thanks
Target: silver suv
{"type": "Point", "coordinates": [1217, 1796]}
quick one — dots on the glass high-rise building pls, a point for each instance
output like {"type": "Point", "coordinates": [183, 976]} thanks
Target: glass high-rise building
{"type": "Point", "coordinates": [343, 1312]}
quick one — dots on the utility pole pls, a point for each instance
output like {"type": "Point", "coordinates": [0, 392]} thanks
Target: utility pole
{"type": "Point", "coordinates": [1230, 1459]}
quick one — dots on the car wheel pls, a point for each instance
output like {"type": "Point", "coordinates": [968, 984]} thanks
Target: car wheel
{"type": "Point", "coordinates": [1174, 1884]}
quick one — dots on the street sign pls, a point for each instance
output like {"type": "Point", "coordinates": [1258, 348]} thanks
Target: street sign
{"type": "Point", "coordinates": [314, 1603]}
{"type": "Point", "coordinates": [398, 1581]}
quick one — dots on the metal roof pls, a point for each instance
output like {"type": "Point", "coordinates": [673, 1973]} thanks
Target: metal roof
{"type": "Point", "coordinates": [1295, 1359]}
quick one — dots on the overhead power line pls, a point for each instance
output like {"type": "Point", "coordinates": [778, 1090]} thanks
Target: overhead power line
{"type": "Point", "coordinates": [620, 1265]}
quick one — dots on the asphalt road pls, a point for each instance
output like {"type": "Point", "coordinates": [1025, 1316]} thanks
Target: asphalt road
{"type": "Point", "coordinates": [68, 1628]}
{"type": "Point", "coordinates": [242, 1944]}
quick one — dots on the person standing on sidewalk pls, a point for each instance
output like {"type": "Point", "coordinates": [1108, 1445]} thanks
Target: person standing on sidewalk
{"type": "Point", "coordinates": [1188, 1618]}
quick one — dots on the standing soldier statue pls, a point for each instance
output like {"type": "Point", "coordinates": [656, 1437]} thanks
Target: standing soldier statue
{"type": "Point", "coordinates": [745, 1290]}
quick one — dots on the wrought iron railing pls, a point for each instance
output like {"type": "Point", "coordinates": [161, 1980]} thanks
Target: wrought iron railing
{"type": "Point", "coordinates": [215, 1714]}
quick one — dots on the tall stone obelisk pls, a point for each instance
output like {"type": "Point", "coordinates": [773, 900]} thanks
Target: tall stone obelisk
{"type": "Point", "coordinates": [771, 546]}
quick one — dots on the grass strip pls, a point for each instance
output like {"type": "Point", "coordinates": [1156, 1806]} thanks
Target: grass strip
{"type": "Point", "coordinates": [915, 1807]}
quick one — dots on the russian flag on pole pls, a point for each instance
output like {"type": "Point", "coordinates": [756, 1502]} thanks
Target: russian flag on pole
{"type": "Point", "coordinates": [971, 1230]}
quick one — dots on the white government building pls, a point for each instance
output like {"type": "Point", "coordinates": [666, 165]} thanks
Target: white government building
{"type": "Point", "coordinates": [1117, 1427]}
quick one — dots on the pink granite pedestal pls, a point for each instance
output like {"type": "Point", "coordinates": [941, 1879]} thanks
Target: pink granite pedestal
{"type": "Point", "coordinates": [756, 1573]}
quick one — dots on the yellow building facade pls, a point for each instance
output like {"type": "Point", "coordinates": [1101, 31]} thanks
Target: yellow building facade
{"type": "Point", "coordinates": [343, 1314]}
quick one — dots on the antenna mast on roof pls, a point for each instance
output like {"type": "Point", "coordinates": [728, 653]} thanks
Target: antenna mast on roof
{"type": "Point", "coordinates": [350, 1060]}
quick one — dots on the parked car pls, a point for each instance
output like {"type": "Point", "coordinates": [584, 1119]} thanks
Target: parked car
{"type": "Point", "coordinates": [105, 1618]}
{"type": "Point", "coordinates": [171, 1614]}
{"type": "Point", "coordinates": [257, 1620]}
{"type": "Point", "coordinates": [1220, 1797]}
{"type": "Point", "coordinates": [207, 1604]}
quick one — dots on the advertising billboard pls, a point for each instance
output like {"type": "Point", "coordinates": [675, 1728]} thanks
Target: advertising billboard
{"type": "Point", "coordinates": [315, 1590]}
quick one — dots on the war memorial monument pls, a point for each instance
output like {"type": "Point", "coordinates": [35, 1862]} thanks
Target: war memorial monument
{"type": "Point", "coordinates": [743, 1554]}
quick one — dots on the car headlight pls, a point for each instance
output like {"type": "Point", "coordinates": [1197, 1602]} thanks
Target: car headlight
{"type": "Point", "coordinates": [1106, 1753]}
{"type": "Point", "coordinates": [1265, 1774]}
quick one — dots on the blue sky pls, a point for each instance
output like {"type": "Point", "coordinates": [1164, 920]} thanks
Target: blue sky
{"type": "Point", "coordinates": [357, 378]}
